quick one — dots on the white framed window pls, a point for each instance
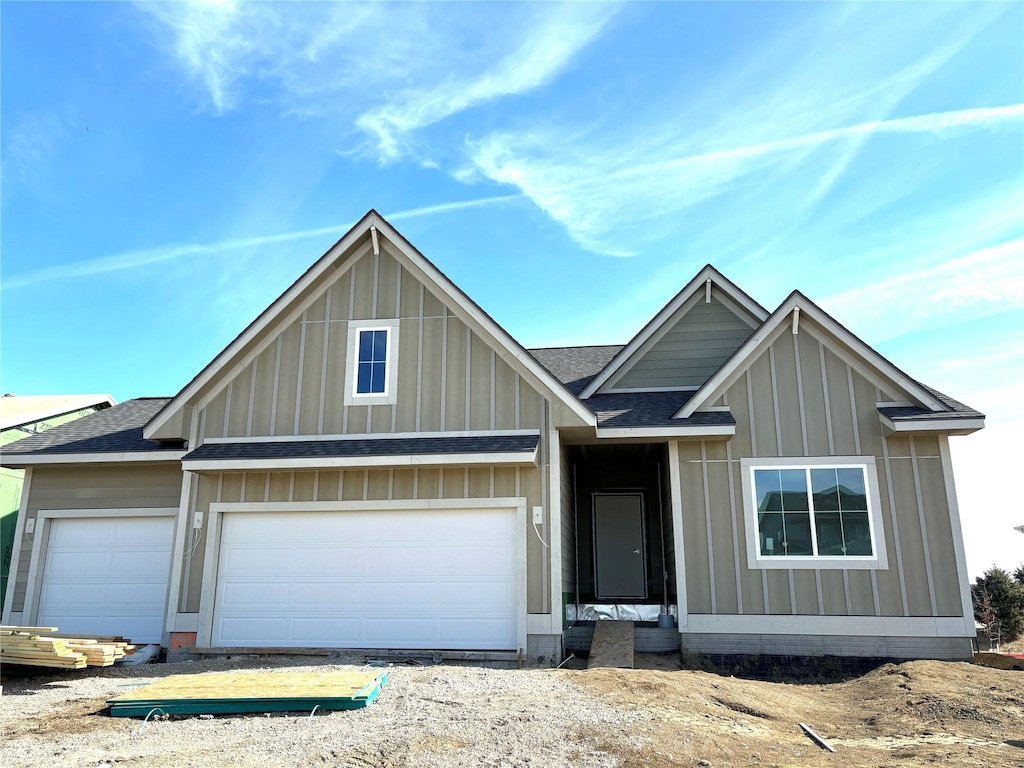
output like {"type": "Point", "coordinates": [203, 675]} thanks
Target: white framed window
{"type": "Point", "coordinates": [371, 370]}
{"type": "Point", "coordinates": [813, 512]}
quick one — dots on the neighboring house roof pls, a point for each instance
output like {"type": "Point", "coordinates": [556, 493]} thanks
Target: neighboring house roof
{"type": "Point", "coordinates": [113, 432]}
{"type": "Point", "coordinates": [377, 227]}
{"type": "Point", "coordinates": [18, 410]}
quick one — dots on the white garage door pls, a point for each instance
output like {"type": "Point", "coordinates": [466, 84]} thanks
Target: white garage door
{"type": "Point", "coordinates": [438, 579]}
{"type": "Point", "coordinates": [107, 576]}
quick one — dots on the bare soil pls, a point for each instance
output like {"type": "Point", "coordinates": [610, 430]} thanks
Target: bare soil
{"type": "Point", "coordinates": [918, 713]}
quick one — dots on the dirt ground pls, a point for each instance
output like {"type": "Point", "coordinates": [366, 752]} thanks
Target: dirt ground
{"type": "Point", "coordinates": [917, 713]}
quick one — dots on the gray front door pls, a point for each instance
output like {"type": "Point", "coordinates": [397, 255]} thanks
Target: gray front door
{"type": "Point", "coordinates": [620, 562]}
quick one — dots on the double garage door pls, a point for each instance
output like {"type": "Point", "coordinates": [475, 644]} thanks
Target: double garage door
{"type": "Point", "coordinates": [392, 578]}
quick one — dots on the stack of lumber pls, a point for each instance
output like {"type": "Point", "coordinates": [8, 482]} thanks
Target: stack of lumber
{"type": "Point", "coordinates": [43, 647]}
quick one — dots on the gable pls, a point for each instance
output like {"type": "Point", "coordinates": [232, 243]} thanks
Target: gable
{"type": "Point", "coordinates": [693, 345]}
{"type": "Point", "coordinates": [286, 375]}
{"type": "Point", "coordinates": [686, 341]}
{"type": "Point", "coordinates": [797, 316]}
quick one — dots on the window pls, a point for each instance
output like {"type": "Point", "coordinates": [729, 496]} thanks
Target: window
{"type": "Point", "coordinates": [371, 362]}
{"type": "Point", "coordinates": [813, 513]}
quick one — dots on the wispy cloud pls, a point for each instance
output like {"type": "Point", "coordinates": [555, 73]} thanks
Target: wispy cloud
{"type": "Point", "coordinates": [538, 59]}
{"type": "Point", "coordinates": [386, 69]}
{"type": "Point", "coordinates": [986, 281]}
{"type": "Point", "coordinates": [166, 253]}
{"type": "Point", "coordinates": [785, 127]}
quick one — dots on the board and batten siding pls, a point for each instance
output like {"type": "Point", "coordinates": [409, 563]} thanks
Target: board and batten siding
{"type": "Point", "coordinates": [799, 398]}
{"type": "Point", "coordinates": [362, 485]}
{"type": "Point", "coordinates": [129, 486]}
{"type": "Point", "coordinates": [692, 349]}
{"type": "Point", "coordinates": [449, 378]}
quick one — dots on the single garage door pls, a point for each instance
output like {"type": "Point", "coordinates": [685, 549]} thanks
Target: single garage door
{"type": "Point", "coordinates": [107, 576]}
{"type": "Point", "coordinates": [439, 579]}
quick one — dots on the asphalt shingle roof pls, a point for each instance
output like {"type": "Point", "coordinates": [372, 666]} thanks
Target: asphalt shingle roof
{"type": "Point", "coordinates": [115, 430]}
{"type": "Point", "coordinates": [302, 449]}
{"type": "Point", "coordinates": [651, 409]}
{"type": "Point", "coordinates": [575, 366]}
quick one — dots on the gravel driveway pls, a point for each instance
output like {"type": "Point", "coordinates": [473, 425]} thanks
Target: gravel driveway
{"type": "Point", "coordinates": [426, 716]}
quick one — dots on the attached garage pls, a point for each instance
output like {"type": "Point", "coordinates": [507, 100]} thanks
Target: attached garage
{"type": "Point", "coordinates": [389, 575]}
{"type": "Point", "coordinates": [105, 574]}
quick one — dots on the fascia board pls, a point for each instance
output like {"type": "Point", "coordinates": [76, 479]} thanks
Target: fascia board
{"type": "Point", "coordinates": [656, 324]}
{"type": "Point", "coordinates": [963, 426]}
{"type": "Point", "coordinates": [29, 460]}
{"type": "Point", "coordinates": [723, 430]}
{"type": "Point", "coordinates": [774, 325]}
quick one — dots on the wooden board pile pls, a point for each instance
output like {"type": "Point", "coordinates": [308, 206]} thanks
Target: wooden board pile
{"type": "Point", "coordinates": [44, 647]}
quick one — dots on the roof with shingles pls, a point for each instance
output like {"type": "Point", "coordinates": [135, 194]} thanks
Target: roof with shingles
{"type": "Point", "coordinates": [576, 366]}
{"type": "Point", "coordinates": [302, 449]}
{"type": "Point", "coordinates": [651, 409]}
{"type": "Point", "coordinates": [114, 430]}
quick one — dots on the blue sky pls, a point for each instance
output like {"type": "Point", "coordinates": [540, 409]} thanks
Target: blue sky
{"type": "Point", "coordinates": [168, 169]}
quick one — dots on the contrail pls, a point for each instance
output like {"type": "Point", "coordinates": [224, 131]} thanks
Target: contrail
{"type": "Point", "coordinates": [138, 258]}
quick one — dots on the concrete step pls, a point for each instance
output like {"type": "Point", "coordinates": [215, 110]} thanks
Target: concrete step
{"type": "Point", "coordinates": [612, 646]}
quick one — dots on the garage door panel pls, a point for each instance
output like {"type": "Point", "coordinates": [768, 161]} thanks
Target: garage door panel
{"type": "Point", "coordinates": [382, 579]}
{"type": "Point", "coordinates": [107, 575]}
{"type": "Point", "coordinates": [315, 631]}
{"type": "Point", "coordinates": [484, 631]}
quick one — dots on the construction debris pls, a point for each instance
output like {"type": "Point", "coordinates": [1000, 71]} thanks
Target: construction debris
{"type": "Point", "coordinates": [256, 691]}
{"type": "Point", "coordinates": [816, 738]}
{"type": "Point", "coordinates": [44, 647]}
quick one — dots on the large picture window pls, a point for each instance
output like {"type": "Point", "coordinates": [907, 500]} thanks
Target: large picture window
{"type": "Point", "coordinates": [813, 512]}
{"type": "Point", "coordinates": [372, 361]}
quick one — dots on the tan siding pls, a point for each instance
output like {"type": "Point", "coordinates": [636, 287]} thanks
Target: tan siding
{"type": "Point", "coordinates": [296, 393]}
{"type": "Point", "coordinates": [694, 347]}
{"type": "Point", "coordinates": [837, 400]}
{"type": "Point", "coordinates": [146, 485]}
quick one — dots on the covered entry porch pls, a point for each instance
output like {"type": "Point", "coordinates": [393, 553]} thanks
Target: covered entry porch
{"type": "Point", "coordinates": [620, 563]}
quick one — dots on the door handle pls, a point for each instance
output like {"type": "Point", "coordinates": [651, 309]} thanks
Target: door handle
{"type": "Point", "coordinates": [636, 551]}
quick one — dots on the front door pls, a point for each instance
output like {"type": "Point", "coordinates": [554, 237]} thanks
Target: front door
{"type": "Point", "coordinates": [620, 562]}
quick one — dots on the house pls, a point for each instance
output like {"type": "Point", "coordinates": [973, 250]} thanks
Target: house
{"type": "Point", "coordinates": [375, 463]}
{"type": "Point", "coordinates": [22, 415]}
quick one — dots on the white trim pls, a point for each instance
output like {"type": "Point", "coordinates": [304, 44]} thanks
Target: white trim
{"type": "Point", "coordinates": [964, 426]}
{"type": "Point", "coordinates": [332, 462]}
{"type": "Point", "coordinates": [375, 436]}
{"type": "Point", "coordinates": [690, 294]}
{"type": "Point", "coordinates": [181, 527]}
{"type": "Point", "coordinates": [49, 514]}
{"type": "Point", "coordinates": [15, 461]}
{"type": "Point", "coordinates": [877, 561]}
{"type": "Point", "coordinates": [675, 488]}
{"type": "Point", "coordinates": [878, 626]}
{"type": "Point", "coordinates": [421, 269]}
{"type": "Point", "coordinates": [41, 537]}
{"type": "Point", "coordinates": [218, 509]}
{"type": "Point", "coordinates": [893, 404]}
{"type": "Point", "coordinates": [773, 326]}
{"type": "Point", "coordinates": [184, 622]}
{"type": "Point", "coordinates": [390, 394]}
{"type": "Point", "coordinates": [963, 577]}
{"type": "Point", "coordinates": [19, 536]}
{"type": "Point", "coordinates": [539, 624]}
{"type": "Point", "coordinates": [720, 430]}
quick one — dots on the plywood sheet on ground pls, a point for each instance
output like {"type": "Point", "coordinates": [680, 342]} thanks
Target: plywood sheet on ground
{"type": "Point", "coordinates": [251, 691]}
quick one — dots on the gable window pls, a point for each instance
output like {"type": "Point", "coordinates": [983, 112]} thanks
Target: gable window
{"type": "Point", "coordinates": [813, 513]}
{"type": "Point", "coordinates": [372, 362]}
